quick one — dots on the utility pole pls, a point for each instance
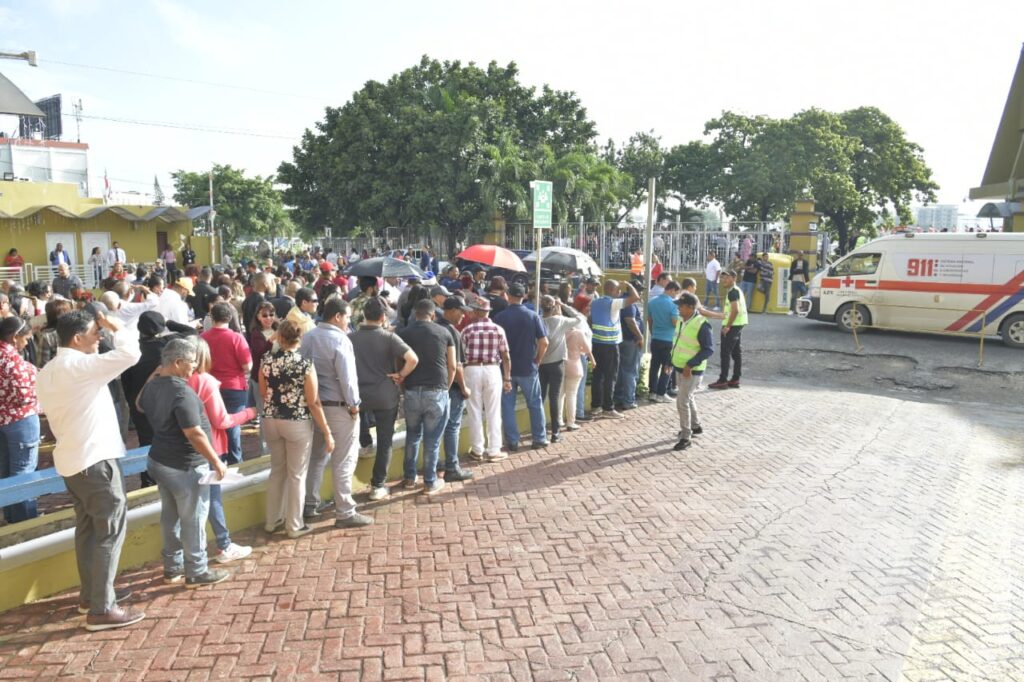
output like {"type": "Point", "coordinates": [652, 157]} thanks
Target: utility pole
{"type": "Point", "coordinates": [77, 108]}
{"type": "Point", "coordinates": [213, 230]}
{"type": "Point", "coordinates": [648, 257]}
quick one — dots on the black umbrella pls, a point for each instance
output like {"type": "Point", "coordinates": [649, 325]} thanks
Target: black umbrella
{"type": "Point", "coordinates": [383, 266]}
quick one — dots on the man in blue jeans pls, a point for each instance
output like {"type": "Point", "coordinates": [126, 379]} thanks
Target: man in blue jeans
{"type": "Point", "coordinates": [426, 394]}
{"type": "Point", "coordinates": [527, 343]}
{"type": "Point", "coordinates": [662, 316]}
{"type": "Point", "coordinates": [453, 310]}
{"type": "Point", "coordinates": [630, 350]}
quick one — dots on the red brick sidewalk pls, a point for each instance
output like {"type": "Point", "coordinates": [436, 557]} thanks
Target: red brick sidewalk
{"type": "Point", "coordinates": [769, 551]}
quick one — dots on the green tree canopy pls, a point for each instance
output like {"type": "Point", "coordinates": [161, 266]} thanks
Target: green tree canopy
{"type": "Point", "coordinates": [448, 145]}
{"type": "Point", "coordinates": [246, 206]}
{"type": "Point", "coordinates": [858, 165]}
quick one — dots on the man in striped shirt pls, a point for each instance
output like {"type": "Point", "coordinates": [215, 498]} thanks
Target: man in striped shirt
{"type": "Point", "coordinates": [487, 374]}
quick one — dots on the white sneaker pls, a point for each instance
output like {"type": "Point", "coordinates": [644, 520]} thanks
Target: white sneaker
{"type": "Point", "coordinates": [790, 312]}
{"type": "Point", "coordinates": [232, 552]}
{"type": "Point", "coordinates": [379, 493]}
{"type": "Point", "coordinates": [613, 414]}
{"type": "Point", "coordinates": [368, 452]}
{"type": "Point", "coordinates": [572, 427]}
{"type": "Point", "coordinates": [662, 399]}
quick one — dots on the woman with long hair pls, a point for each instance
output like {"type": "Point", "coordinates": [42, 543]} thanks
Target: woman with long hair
{"type": "Point", "coordinates": [291, 400]}
{"type": "Point", "coordinates": [19, 411]}
{"type": "Point", "coordinates": [98, 262]}
{"type": "Point", "coordinates": [207, 387]}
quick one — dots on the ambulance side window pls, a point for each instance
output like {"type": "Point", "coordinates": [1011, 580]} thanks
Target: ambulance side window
{"type": "Point", "coordinates": [859, 264]}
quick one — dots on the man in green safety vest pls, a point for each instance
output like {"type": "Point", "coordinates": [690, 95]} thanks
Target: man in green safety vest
{"type": "Point", "coordinates": [735, 320]}
{"type": "Point", "coordinates": [692, 346]}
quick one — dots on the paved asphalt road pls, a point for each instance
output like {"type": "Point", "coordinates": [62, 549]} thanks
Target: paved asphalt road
{"type": "Point", "coordinates": [925, 367]}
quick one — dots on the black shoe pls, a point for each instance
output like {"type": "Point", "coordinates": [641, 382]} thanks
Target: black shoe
{"type": "Point", "coordinates": [672, 393]}
{"type": "Point", "coordinates": [697, 431]}
{"type": "Point", "coordinates": [540, 446]}
{"type": "Point", "coordinates": [217, 575]}
{"type": "Point", "coordinates": [682, 444]}
{"type": "Point", "coordinates": [556, 438]}
{"type": "Point", "coordinates": [311, 515]}
{"type": "Point", "coordinates": [459, 474]}
{"type": "Point", "coordinates": [512, 447]}
{"type": "Point", "coordinates": [585, 418]}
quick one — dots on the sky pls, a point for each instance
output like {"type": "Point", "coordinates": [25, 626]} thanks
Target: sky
{"type": "Point", "coordinates": [941, 69]}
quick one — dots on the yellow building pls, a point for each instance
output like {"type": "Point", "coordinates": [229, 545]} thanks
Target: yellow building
{"type": "Point", "coordinates": [35, 216]}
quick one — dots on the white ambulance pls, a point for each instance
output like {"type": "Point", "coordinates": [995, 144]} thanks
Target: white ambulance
{"type": "Point", "coordinates": [926, 282]}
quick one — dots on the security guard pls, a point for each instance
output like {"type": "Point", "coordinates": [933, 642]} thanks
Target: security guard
{"type": "Point", "coordinates": [691, 348]}
{"type": "Point", "coordinates": [735, 320]}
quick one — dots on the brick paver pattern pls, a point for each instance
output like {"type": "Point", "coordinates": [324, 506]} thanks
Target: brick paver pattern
{"type": "Point", "coordinates": [854, 537]}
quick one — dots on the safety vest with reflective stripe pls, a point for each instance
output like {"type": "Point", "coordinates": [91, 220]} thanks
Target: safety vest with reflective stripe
{"type": "Point", "coordinates": [636, 264]}
{"type": "Point", "coordinates": [606, 329]}
{"type": "Point", "coordinates": [741, 309]}
{"type": "Point", "coordinates": [687, 342]}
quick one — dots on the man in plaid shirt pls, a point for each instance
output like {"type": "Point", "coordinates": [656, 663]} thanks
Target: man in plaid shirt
{"type": "Point", "coordinates": [487, 374]}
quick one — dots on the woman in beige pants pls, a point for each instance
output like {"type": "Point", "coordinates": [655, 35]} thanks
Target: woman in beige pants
{"type": "Point", "coordinates": [291, 405]}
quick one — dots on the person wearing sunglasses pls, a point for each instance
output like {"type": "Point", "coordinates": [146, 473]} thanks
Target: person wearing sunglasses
{"type": "Point", "coordinates": [305, 307]}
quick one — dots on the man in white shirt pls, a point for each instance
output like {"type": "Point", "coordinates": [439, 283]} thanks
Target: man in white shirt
{"type": "Point", "coordinates": [172, 301]}
{"type": "Point", "coordinates": [712, 270]}
{"type": "Point", "coordinates": [116, 255]}
{"type": "Point", "coordinates": [72, 390]}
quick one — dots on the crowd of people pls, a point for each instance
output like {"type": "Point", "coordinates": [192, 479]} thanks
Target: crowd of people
{"type": "Point", "coordinates": [325, 364]}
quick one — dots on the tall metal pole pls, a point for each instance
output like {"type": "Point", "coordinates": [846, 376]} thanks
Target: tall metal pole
{"type": "Point", "coordinates": [213, 230]}
{"type": "Point", "coordinates": [536, 282]}
{"type": "Point", "coordinates": [648, 256]}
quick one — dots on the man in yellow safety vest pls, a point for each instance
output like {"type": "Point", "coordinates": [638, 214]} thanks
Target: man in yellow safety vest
{"type": "Point", "coordinates": [692, 346]}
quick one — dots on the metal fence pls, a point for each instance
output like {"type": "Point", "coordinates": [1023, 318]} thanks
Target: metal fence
{"type": "Point", "coordinates": [13, 274]}
{"type": "Point", "coordinates": [86, 273]}
{"type": "Point", "coordinates": [681, 247]}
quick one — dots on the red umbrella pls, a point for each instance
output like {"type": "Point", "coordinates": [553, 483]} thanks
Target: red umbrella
{"type": "Point", "coordinates": [489, 254]}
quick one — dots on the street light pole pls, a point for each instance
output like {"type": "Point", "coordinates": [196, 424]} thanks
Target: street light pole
{"type": "Point", "coordinates": [28, 56]}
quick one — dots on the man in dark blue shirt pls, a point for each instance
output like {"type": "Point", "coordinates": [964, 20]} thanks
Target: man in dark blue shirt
{"type": "Point", "coordinates": [630, 351]}
{"type": "Point", "coordinates": [527, 343]}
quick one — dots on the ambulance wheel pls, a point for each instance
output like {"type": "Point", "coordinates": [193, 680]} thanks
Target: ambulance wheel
{"type": "Point", "coordinates": [847, 316]}
{"type": "Point", "coordinates": [1013, 331]}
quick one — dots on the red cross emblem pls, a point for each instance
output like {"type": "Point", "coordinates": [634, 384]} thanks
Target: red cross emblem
{"type": "Point", "coordinates": [848, 282]}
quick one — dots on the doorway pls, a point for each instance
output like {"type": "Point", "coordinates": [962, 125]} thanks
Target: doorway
{"type": "Point", "coordinates": [90, 240]}
{"type": "Point", "coordinates": [67, 239]}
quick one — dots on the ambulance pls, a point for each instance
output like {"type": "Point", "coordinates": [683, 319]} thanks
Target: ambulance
{"type": "Point", "coordinates": [926, 282]}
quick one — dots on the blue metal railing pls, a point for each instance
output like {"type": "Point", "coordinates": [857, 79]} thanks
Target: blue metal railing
{"type": "Point", "coordinates": [33, 485]}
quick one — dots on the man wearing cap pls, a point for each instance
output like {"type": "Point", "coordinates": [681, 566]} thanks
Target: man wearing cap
{"type": "Point", "coordinates": [326, 276]}
{"type": "Point", "coordinates": [487, 373]}
{"type": "Point", "coordinates": [527, 343]}
{"type": "Point", "coordinates": [439, 294]}
{"type": "Point", "coordinates": [552, 366]}
{"type": "Point", "coordinates": [692, 346]}
{"type": "Point", "coordinates": [735, 320]}
{"type": "Point", "coordinates": [497, 294]}
{"type": "Point", "coordinates": [172, 301]}
{"type": "Point", "coordinates": [452, 311]}
{"type": "Point", "coordinates": [607, 326]}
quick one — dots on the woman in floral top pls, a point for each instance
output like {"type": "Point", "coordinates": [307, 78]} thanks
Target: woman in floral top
{"type": "Point", "coordinates": [290, 397]}
{"type": "Point", "coordinates": [19, 412]}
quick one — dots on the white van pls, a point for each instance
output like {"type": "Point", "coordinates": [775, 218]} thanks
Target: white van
{"type": "Point", "coordinates": [926, 282]}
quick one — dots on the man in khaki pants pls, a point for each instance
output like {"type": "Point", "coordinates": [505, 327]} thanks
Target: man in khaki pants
{"type": "Point", "coordinates": [692, 346]}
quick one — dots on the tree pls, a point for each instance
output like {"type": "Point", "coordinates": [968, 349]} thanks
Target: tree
{"type": "Point", "coordinates": [858, 165]}
{"type": "Point", "coordinates": [640, 159]}
{"type": "Point", "coordinates": [887, 172]}
{"type": "Point", "coordinates": [246, 206]}
{"type": "Point", "coordinates": [440, 144]}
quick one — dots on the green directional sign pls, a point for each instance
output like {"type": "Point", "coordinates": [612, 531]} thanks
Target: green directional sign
{"type": "Point", "coordinates": [542, 200]}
